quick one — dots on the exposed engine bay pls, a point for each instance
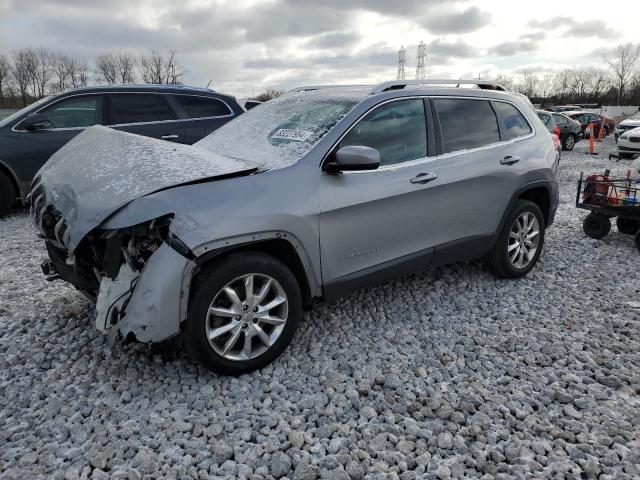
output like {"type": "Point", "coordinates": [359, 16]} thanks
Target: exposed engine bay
{"type": "Point", "coordinates": [128, 272]}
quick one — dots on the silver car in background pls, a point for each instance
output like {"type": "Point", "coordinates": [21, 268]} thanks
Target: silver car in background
{"type": "Point", "coordinates": [221, 245]}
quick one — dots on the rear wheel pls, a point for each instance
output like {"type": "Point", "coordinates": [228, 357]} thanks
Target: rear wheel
{"type": "Point", "coordinates": [520, 242]}
{"type": "Point", "coordinates": [244, 313]}
{"type": "Point", "coordinates": [7, 194]}
{"type": "Point", "coordinates": [596, 226]}
{"type": "Point", "coordinates": [569, 142]}
{"type": "Point", "coordinates": [627, 226]}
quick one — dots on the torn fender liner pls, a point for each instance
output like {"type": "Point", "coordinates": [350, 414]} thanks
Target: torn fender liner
{"type": "Point", "coordinates": [153, 311]}
{"type": "Point", "coordinates": [101, 170]}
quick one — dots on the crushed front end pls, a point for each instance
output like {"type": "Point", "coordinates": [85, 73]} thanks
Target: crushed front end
{"type": "Point", "coordinates": [138, 276]}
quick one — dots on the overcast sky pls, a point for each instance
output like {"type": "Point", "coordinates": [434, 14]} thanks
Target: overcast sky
{"type": "Point", "coordinates": [245, 46]}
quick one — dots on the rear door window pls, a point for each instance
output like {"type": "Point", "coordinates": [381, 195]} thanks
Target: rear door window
{"type": "Point", "coordinates": [560, 120]}
{"type": "Point", "coordinates": [140, 108]}
{"type": "Point", "coordinates": [202, 107]}
{"type": "Point", "coordinates": [512, 122]}
{"type": "Point", "coordinates": [75, 112]}
{"type": "Point", "coordinates": [466, 123]}
{"type": "Point", "coordinates": [398, 130]}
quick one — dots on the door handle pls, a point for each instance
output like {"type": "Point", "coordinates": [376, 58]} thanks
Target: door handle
{"type": "Point", "coordinates": [509, 160]}
{"type": "Point", "coordinates": [424, 177]}
{"type": "Point", "coordinates": [170, 137]}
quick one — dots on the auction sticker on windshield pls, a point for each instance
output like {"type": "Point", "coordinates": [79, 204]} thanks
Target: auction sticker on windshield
{"type": "Point", "coordinates": [292, 134]}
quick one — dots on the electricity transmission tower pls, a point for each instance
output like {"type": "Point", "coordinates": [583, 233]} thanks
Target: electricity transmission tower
{"type": "Point", "coordinates": [421, 58]}
{"type": "Point", "coordinates": [401, 62]}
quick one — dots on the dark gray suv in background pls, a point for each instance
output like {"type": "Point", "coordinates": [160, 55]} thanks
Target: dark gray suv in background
{"type": "Point", "coordinates": [307, 197]}
{"type": "Point", "coordinates": [174, 113]}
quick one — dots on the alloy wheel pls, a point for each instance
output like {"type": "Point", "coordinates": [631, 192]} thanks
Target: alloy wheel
{"type": "Point", "coordinates": [570, 142]}
{"type": "Point", "coordinates": [246, 316]}
{"type": "Point", "coordinates": [524, 240]}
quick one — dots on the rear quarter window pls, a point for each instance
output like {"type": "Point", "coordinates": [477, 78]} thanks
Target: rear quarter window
{"type": "Point", "coordinates": [512, 122]}
{"type": "Point", "coordinates": [202, 107]}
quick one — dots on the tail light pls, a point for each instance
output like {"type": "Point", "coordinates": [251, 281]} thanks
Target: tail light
{"type": "Point", "coordinates": [556, 141]}
{"type": "Point", "coordinates": [556, 131]}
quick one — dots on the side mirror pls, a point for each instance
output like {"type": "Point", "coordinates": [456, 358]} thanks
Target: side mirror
{"type": "Point", "coordinates": [35, 121]}
{"type": "Point", "coordinates": [353, 158]}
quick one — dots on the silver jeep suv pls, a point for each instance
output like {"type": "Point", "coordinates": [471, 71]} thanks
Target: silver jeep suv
{"type": "Point", "coordinates": [220, 246]}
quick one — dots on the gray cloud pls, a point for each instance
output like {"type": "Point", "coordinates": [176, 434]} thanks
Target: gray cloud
{"type": "Point", "coordinates": [515, 47]}
{"type": "Point", "coordinates": [446, 21]}
{"type": "Point", "coordinates": [457, 49]}
{"type": "Point", "coordinates": [333, 40]}
{"type": "Point", "coordinates": [574, 28]}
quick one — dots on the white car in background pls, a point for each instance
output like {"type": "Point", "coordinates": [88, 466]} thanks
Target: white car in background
{"type": "Point", "coordinates": [628, 124]}
{"type": "Point", "coordinates": [629, 143]}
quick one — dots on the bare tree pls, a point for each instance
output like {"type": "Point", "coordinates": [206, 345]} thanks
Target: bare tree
{"type": "Point", "coordinates": [155, 68]}
{"type": "Point", "coordinates": [151, 67]}
{"type": "Point", "coordinates": [61, 66]}
{"type": "Point", "coordinates": [20, 68]}
{"type": "Point", "coordinates": [69, 72]}
{"type": "Point", "coordinates": [529, 84]}
{"type": "Point", "coordinates": [506, 81]}
{"type": "Point", "coordinates": [546, 87]}
{"type": "Point", "coordinates": [623, 62]}
{"type": "Point", "coordinates": [107, 68]}
{"type": "Point", "coordinates": [79, 74]}
{"type": "Point", "coordinates": [125, 63]}
{"type": "Point", "coordinates": [4, 77]}
{"type": "Point", "coordinates": [269, 94]}
{"type": "Point", "coordinates": [42, 72]}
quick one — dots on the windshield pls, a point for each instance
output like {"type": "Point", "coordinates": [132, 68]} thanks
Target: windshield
{"type": "Point", "coordinates": [280, 132]}
{"type": "Point", "coordinates": [19, 113]}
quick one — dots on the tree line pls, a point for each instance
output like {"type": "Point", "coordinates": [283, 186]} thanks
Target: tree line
{"type": "Point", "coordinates": [615, 81]}
{"type": "Point", "coordinates": [31, 73]}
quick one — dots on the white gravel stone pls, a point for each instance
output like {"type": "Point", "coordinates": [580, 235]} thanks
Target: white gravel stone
{"type": "Point", "coordinates": [447, 373]}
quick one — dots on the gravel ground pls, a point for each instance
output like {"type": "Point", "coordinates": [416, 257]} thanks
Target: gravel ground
{"type": "Point", "coordinates": [449, 373]}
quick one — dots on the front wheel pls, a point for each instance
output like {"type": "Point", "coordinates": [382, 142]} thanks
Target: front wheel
{"type": "Point", "coordinates": [520, 242]}
{"type": "Point", "coordinates": [569, 142]}
{"type": "Point", "coordinates": [244, 313]}
{"type": "Point", "coordinates": [596, 226]}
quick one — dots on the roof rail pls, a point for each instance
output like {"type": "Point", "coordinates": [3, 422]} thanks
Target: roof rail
{"type": "Point", "coordinates": [309, 88]}
{"type": "Point", "coordinates": [401, 84]}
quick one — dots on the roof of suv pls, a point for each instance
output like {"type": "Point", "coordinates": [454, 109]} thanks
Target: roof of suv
{"type": "Point", "coordinates": [148, 87]}
{"type": "Point", "coordinates": [426, 87]}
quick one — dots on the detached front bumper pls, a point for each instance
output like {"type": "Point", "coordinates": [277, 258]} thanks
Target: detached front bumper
{"type": "Point", "coordinates": [156, 303]}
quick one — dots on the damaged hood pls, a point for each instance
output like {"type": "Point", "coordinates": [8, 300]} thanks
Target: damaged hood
{"type": "Point", "coordinates": [101, 170]}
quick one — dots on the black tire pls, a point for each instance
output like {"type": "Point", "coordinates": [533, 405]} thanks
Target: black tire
{"type": "Point", "coordinates": [628, 226]}
{"type": "Point", "coordinates": [596, 226]}
{"type": "Point", "coordinates": [498, 258]}
{"type": "Point", "coordinates": [7, 194]}
{"type": "Point", "coordinates": [212, 281]}
{"type": "Point", "coordinates": [637, 241]}
{"type": "Point", "coordinates": [569, 142]}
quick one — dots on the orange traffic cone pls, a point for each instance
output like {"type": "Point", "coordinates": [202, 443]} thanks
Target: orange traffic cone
{"type": "Point", "coordinates": [591, 141]}
{"type": "Point", "coordinates": [599, 139]}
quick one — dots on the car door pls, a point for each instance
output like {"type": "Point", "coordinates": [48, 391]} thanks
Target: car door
{"type": "Point", "coordinates": [479, 162]}
{"type": "Point", "coordinates": [563, 124]}
{"type": "Point", "coordinates": [371, 219]}
{"type": "Point", "coordinates": [67, 117]}
{"type": "Point", "coordinates": [145, 113]}
{"type": "Point", "coordinates": [201, 115]}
